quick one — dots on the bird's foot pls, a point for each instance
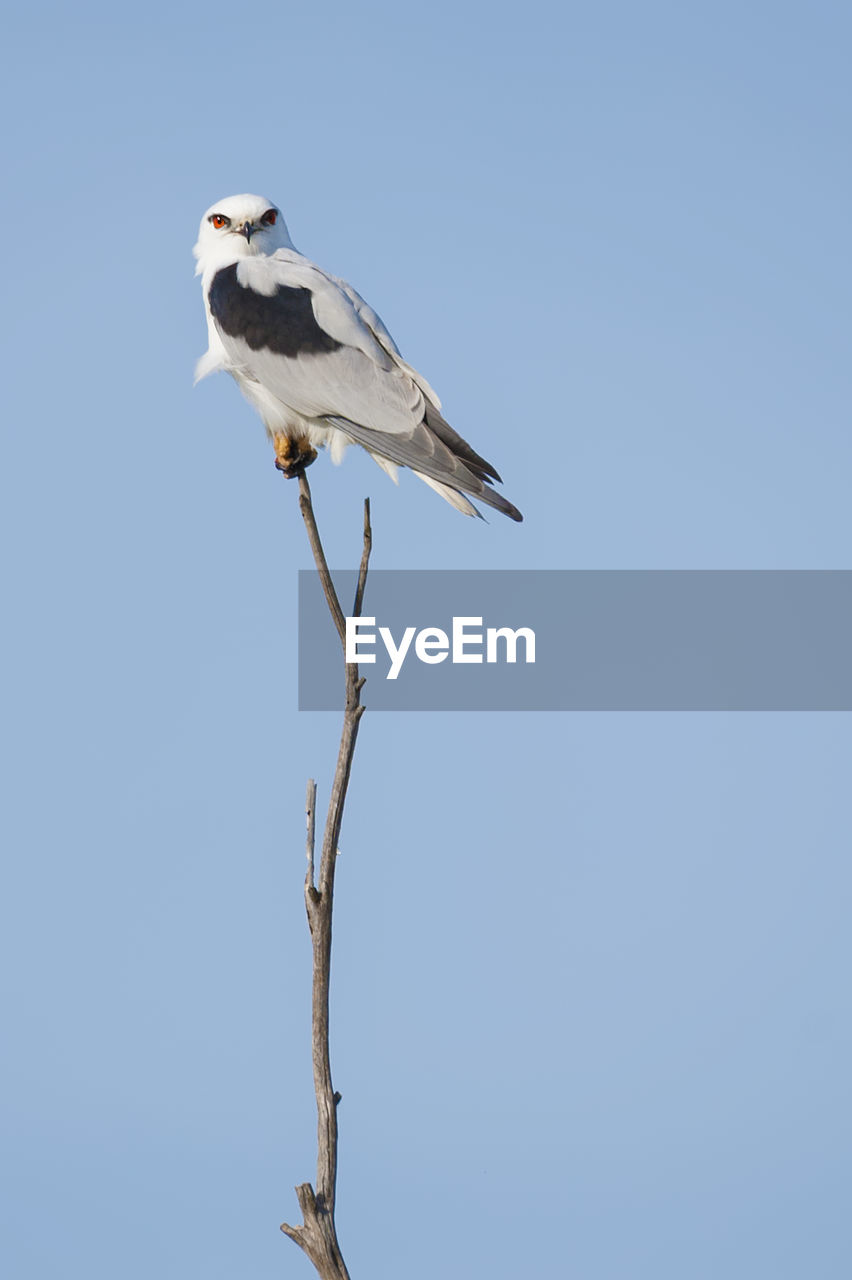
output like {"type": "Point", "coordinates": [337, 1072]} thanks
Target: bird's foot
{"type": "Point", "coordinates": [293, 456]}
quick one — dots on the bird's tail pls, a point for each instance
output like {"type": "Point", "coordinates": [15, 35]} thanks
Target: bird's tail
{"type": "Point", "coordinates": [438, 455]}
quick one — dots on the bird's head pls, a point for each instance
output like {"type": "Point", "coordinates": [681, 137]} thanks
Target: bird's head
{"type": "Point", "coordinates": [239, 227]}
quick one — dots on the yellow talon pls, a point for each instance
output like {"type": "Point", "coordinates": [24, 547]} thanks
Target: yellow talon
{"type": "Point", "coordinates": [292, 456]}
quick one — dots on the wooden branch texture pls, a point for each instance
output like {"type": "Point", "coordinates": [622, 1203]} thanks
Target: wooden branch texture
{"type": "Point", "coordinates": [317, 1235]}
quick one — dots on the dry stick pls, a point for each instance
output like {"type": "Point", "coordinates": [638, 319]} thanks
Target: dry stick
{"type": "Point", "coordinates": [318, 1236]}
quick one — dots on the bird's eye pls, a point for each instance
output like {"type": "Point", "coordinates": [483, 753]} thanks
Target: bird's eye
{"type": "Point", "coordinates": [270, 218]}
{"type": "Point", "coordinates": [219, 221]}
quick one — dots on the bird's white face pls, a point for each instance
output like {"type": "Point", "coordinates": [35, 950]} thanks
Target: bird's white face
{"type": "Point", "coordinates": [239, 227]}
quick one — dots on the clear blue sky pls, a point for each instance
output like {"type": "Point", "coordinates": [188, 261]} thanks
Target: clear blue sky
{"type": "Point", "coordinates": [591, 984]}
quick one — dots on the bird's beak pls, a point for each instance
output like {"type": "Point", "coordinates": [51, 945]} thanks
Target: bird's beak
{"type": "Point", "coordinates": [247, 230]}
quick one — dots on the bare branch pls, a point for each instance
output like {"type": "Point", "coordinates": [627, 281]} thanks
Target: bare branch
{"type": "Point", "coordinates": [317, 1236]}
{"type": "Point", "coordinates": [365, 560]}
{"type": "Point", "coordinates": [307, 509]}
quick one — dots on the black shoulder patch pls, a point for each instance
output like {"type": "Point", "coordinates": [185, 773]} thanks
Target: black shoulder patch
{"type": "Point", "coordinates": [283, 323]}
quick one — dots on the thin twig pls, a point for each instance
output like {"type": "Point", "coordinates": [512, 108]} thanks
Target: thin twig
{"type": "Point", "coordinates": [317, 1236]}
{"type": "Point", "coordinates": [365, 560]}
{"type": "Point", "coordinates": [310, 822]}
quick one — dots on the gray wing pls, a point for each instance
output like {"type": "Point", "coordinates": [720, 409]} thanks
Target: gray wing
{"type": "Point", "coordinates": [288, 325]}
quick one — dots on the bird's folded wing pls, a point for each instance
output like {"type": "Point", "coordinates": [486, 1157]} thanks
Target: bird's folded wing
{"type": "Point", "coordinates": [320, 360]}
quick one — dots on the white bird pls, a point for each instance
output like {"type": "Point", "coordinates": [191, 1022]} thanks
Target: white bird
{"type": "Point", "coordinates": [316, 361]}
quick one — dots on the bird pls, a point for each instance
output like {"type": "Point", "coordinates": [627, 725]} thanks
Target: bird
{"type": "Point", "coordinates": [317, 363]}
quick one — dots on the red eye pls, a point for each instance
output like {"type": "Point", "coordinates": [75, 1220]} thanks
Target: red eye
{"type": "Point", "coordinates": [219, 221]}
{"type": "Point", "coordinates": [270, 217]}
